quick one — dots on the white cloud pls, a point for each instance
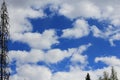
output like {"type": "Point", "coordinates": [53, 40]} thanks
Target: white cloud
{"type": "Point", "coordinates": [21, 30]}
{"type": "Point", "coordinates": [51, 56]}
{"type": "Point", "coordinates": [77, 74]}
{"type": "Point", "coordinates": [78, 57]}
{"type": "Point", "coordinates": [18, 19]}
{"type": "Point", "coordinates": [23, 57]}
{"type": "Point", "coordinates": [109, 33]}
{"type": "Point", "coordinates": [29, 72]}
{"type": "Point", "coordinates": [97, 32]}
{"type": "Point", "coordinates": [108, 10]}
{"type": "Point", "coordinates": [112, 60]}
{"type": "Point", "coordinates": [79, 30]}
{"type": "Point", "coordinates": [74, 9]}
{"type": "Point", "coordinates": [56, 55]}
{"type": "Point", "coordinates": [32, 72]}
{"type": "Point", "coordinates": [102, 10]}
{"type": "Point", "coordinates": [37, 40]}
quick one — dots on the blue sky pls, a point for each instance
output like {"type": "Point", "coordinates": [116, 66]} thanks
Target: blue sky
{"type": "Point", "coordinates": [63, 40]}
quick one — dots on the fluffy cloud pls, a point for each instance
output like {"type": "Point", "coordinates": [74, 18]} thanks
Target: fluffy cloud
{"type": "Point", "coordinates": [31, 72]}
{"type": "Point", "coordinates": [78, 74]}
{"type": "Point", "coordinates": [23, 57]}
{"type": "Point", "coordinates": [56, 55]}
{"type": "Point", "coordinates": [112, 60]}
{"type": "Point", "coordinates": [21, 27]}
{"type": "Point", "coordinates": [107, 10]}
{"type": "Point", "coordinates": [37, 40]}
{"type": "Point", "coordinates": [51, 56]}
{"type": "Point", "coordinates": [78, 57]}
{"type": "Point", "coordinates": [18, 19]}
{"type": "Point", "coordinates": [76, 9]}
{"type": "Point", "coordinates": [72, 9]}
{"type": "Point", "coordinates": [21, 30]}
{"type": "Point", "coordinates": [79, 30]}
{"type": "Point", "coordinates": [35, 56]}
{"type": "Point", "coordinates": [101, 10]}
{"type": "Point", "coordinates": [109, 33]}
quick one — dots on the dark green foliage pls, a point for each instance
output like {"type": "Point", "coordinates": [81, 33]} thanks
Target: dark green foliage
{"type": "Point", "coordinates": [100, 78]}
{"type": "Point", "coordinates": [113, 75]}
{"type": "Point", "coordinates": [105, 76]}
{"type": "Point", "coordinates": [88, 77]}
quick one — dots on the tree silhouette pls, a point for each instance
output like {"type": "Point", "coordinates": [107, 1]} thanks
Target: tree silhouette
{"type": "Point", "coordinates": [88, 77]}
{"type": "Point", "coordinates": [113, 75]}
{"type": "Point", "coordinates": [105, 76]}
{"type": "Point", "coordinates": [100, 78]}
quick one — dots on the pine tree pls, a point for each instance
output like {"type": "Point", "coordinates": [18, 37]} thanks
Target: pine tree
{"type": "Point", "coordinates": [100, 78]}
{"type": "Point", "coordinates": [113, 74]}
{"type": "Point", "coordinates": [105, 76]}
{"type": "Point", "coordinates": [88, 77]}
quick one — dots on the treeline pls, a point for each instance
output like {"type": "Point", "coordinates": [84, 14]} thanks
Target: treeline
{"type": "Point", "coordinates": [106, 76]}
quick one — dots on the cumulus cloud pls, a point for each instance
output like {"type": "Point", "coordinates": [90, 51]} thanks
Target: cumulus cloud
{"type": "Point", "coordinates": [31, 72]}
{"type": "Point", "coordinates": [78, 74]}
{"type": "Point", "coordinates": [18, 19]}
{"type": "Point", "coordinates": [24, 57]}
{"type": "Point", "coordinates": [79, 30]}
{"type": "Point", "coordinates": [56, 55]}
{"type": "Point", "coordinates": [108, 10]}
{"type": "Point", "coordinates": [51, 56]}
{"type": "Point", "coordinates": [21, 30]}
{"type": "Point", "coordinates": [76, 9]}
{"type": "Point", "coordinates": [103, 10]}
{"type": "Point", "coordinates": [112, 60]}
{"type": "Point", "coordinates": [78, 58]}
{"type": "Point", "coordinates": [38, 40]}
{"type": "Point", "coordinates": [110, 33]}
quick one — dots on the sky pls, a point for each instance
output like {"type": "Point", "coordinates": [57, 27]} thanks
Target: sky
{"type": "Point", "coordinates": [63, 39]}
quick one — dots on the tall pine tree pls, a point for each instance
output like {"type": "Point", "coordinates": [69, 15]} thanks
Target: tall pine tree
{"type": "Point", "coordinates": [105, 76]}
{"type": "Point", "coordinates": [88, 77]}
{"type": "Point", "coordinates": [100, 78]}
{"type": "Point", "coordinates": [113, 75]}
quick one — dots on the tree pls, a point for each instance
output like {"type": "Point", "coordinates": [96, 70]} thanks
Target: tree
{"type": "Point", "coordinates": [100, 78]}
{"type": "Point", "coordinates": [113, 75]}
{"type": "Point", "coordinates": [88, 77]}
{"type": "Point", "coordinates": [105, 76]}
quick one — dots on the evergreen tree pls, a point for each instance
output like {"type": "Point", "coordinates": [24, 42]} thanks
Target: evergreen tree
{"type": "Point", "coordinates": [113, 75]}
{"type": "Point", "coordinates": [105, 76]}
{"type": "Point", "coordinates": [88, 77]}
{"type": "Point", "coordinates": [100, 78]}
